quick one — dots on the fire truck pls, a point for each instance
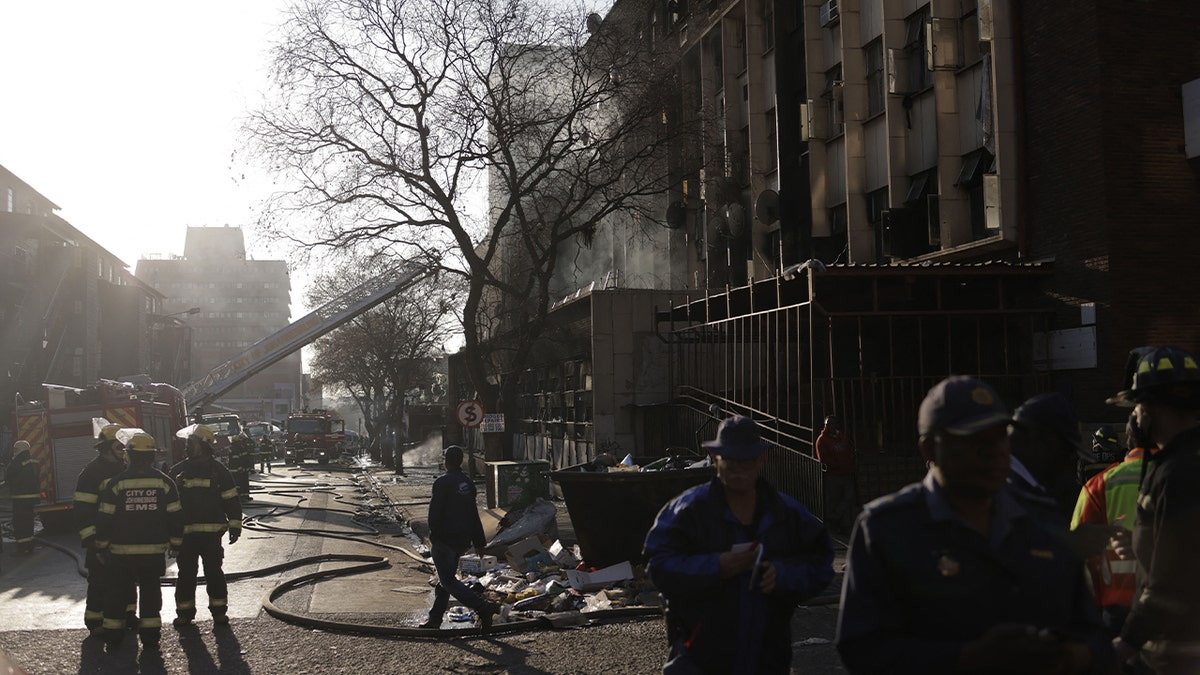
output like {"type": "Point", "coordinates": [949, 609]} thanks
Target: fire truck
{"type": "Point", "coordinates": [316, 434]}
{"type": "Point", "coordinates": [62, 438]}
{"type": "Point", "coordinates": [59, 426]}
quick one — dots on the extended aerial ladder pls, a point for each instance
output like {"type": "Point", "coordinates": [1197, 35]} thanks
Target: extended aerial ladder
{"type": "Point", "coordinates": [269, 350]}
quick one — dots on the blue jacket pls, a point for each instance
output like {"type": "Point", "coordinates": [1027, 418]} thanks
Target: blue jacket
{"type": "Point", "coordinates": [453, 514]}
{"type": "Point", "coordinates": [920, 583]}
{"type": "Point", "coordinates": [720, 625]}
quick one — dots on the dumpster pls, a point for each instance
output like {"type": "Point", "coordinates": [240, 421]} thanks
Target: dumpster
{"type": "Point", "coordinates": [511, 485]}
{"type": "Point", "coordinates": [612, 511]}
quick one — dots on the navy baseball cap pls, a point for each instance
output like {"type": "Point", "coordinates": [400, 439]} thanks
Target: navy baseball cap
{"type": "Point", "coordinates": [737, 438]}
{"type": "Point", "coordinates": [1052, 412]}
{"type": "Point", "coordinates": [961, 405]}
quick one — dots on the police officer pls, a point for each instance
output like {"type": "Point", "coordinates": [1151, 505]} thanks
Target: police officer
{"type": "Point", "coordinates": [954, 574]}
{"type": "Point", "coordinates": [210, 508]}
{"type": "Point", "coordinates": [1164, 619]}
{"type": "Point", "coordinates": [109, 462]}
{"type": "Point", "coordinates": [241, 461]}
{"type": "Point", "coordinates": [139, 520]}
{"type": "Point", "coordinates": [25, 488]}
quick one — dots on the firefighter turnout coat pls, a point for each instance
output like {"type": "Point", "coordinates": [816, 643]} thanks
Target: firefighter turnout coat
{"type": "Point", "coordinates": [91, 481]}
{"type": "Point", "coordinates": [139, 514]}
{"type": "Point", "coordinates": [209, 497]}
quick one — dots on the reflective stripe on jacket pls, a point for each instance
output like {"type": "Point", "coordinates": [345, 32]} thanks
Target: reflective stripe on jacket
{"type": "Point", "coordinates": [1110, 497]}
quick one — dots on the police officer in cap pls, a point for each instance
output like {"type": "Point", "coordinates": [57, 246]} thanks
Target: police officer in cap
{"type": "Point", "coordinates": [109, 462]}
{"type": "Point", "coordinates": [955, 575]}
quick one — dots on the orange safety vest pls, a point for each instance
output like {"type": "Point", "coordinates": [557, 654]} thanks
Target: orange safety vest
{"type": "Point", "coordinates": [1110, 497]}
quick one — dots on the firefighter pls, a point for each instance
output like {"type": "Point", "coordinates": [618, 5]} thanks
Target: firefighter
{"type": "Point", "coordinates": [241, 461]}
{"type": "Point", "coordinates": [25, 488]}
{"type": "Point", "coordinates": [210, 508]}
{"type": "Point", "coordinates": [139, 519]}
{"type": "Point", "coordinates": [266, 450]}
{"type": "Point", "coordinates": [109, 462]}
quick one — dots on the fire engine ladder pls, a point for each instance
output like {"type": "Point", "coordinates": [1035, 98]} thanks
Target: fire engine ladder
{"type": "Point", "coordinates": [274, 347]}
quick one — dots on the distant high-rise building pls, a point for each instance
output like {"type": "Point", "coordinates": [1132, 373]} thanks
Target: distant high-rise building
{"type": "Point", "coordinates": [230, 302]}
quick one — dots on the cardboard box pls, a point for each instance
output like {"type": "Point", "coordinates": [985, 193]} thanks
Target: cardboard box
{"type": "Point", "coordinates": [607, 576]}
{"type": "Point", "coordinates": [475, 565]}
{"type": "Point", "coordinates": [525, 555]}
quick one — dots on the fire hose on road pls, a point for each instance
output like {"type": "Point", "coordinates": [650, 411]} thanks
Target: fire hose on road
{"type": "Point", "coordinates": [363, 563]}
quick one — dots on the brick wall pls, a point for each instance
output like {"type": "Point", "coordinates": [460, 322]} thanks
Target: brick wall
{"type": "Point", "coordinates": [1110, 195]}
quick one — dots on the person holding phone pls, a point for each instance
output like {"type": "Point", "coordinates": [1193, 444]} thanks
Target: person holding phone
{"type": "Point", "coordinates": [733, 557]}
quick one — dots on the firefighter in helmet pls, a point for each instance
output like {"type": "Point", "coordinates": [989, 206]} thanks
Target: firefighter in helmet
{"type": "Point", "coordinates": [109, 461]}
{"type": "Point", "coordinates": [1163, 387]}
{"type": "Point", "coordinates": [139, 520]}
{"type": "Point", "coordinates": [1106, 450]}
{"type": "Point", "coordinates": [241, 461]}
{"type": "Point", "coordinates": [210, 508]}
{"type": "Point", "coordinates": [25, 487]}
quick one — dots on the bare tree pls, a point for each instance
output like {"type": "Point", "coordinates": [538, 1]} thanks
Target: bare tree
{"type": "Point", "coordinates": [390, 114]}
{"type": "Point", "coordinates": [384, 353]}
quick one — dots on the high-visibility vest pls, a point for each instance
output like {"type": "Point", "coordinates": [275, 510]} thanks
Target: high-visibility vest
{"type": "Point", "coordinates": [1110, 497]}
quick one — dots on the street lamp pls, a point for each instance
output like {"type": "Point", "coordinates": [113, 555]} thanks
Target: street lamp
{"type": "Point", "coordinates": [189, 311]}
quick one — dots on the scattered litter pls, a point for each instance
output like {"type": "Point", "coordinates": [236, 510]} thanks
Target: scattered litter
{"type": "Point", "coordinates": [460, 614]}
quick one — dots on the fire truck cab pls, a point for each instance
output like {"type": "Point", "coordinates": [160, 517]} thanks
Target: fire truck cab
{"type": "Point", "coordinates": [315, 434]}
{"type": "Point", "coordinates": [62, 440]}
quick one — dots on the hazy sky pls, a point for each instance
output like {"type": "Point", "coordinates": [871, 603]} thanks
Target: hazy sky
{"type": "Point", "coordinates": [125, 114]}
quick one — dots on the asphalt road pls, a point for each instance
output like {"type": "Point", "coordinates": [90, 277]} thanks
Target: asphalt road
{"type": "Point", "coordinates": [41, 604]}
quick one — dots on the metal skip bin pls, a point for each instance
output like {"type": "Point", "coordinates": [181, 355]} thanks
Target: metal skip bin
{"type": "Point", "coordinates": [513, 484]}
{"type": "Point", "coordinates": [612, 511]}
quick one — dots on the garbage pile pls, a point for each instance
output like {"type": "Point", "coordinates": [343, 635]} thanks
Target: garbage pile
{"type": "Point", "coordinates": [530, 574]}
{"type": "Point", "coordinates": [605, 462]}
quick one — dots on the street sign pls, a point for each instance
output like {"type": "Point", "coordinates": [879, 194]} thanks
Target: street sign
{"type": "Point", "coordinates": [469, 413]}
{"type": "Point", "coordinates": [493, 423]}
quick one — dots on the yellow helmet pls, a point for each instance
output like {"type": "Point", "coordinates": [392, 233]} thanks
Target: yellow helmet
{"type": "Point", "coordinates": [107, 433]}
{"type": "Point", "coordinates": [141, 442]}
{"type": "Point", "coordinates": [204, 433]}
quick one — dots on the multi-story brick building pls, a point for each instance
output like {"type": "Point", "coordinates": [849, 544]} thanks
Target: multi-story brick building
{"type": "Point", "coordinates": [230, 302]}
{"type": "Point", "coordinates": [70, 311]}
{"type": "Point", "coordinates": [996, 187]}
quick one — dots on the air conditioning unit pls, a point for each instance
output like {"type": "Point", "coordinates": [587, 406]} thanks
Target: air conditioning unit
{"type": "Point", "coordinates": [987, 28]}
{"type": "Point", "coordinates": [934, 221]}
{"type": "Point", "coordinates": [829, 13]}
{"type": "Point", "coordinates": [896, 69]}
{"type": "Point", "coordinates": [991, 202]}
{"type": "Point", "coordinates": [941, 44]}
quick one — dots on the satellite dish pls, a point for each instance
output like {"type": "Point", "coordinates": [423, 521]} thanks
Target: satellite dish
{"type": "Point", "coordinates": [676, 215]}
{"type": "Point", "coordinates": [735, 219]}
{"type": "Point", "coordinates": [766, 207]}
{"type": "Point", "coordinates": [593, 22]}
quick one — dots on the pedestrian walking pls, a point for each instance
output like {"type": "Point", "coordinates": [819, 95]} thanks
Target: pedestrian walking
{"type": "Point", "coordinates": [1164, 617]}
{"type": "Point", "coordinates": [1110, 497]}
{"type": "Point", "coordinates": [138, 521]}
{"type": "Point", "coordinates": [25, 488]}
{"type": "Point", "coordinates": [836, 455]}
{"type": "Point", "coordinates": [241, 461]}
{"type": "Point", "coordinates": [954, 574]}
{"type": "Point", "coordinates": [109, 461]}
{"type": "Point", "coordinates": [733, 558]}
{"type": "Point", "coordinates": [454, 526]}
{"type": "Point", "coordinates": [211, 508]}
